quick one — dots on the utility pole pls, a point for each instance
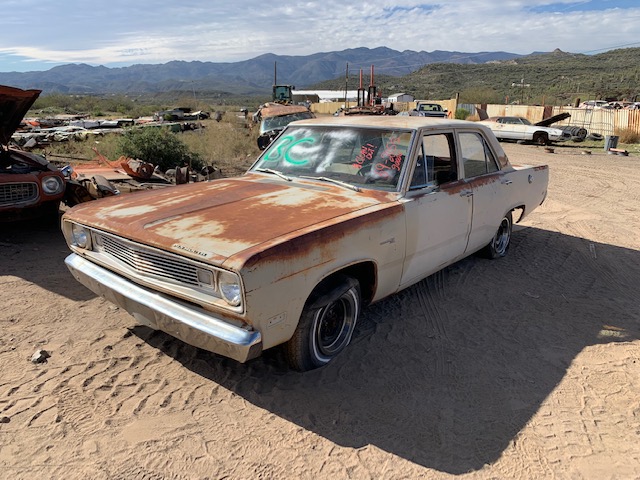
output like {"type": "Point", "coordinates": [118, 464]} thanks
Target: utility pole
{"type": "Point", "coordinates": [522, 86]}
{"type": "Point", "coordinates": [346, 87]}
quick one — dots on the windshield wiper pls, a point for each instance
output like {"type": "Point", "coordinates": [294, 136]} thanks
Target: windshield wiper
{"type": "Point", "coordinates": [333, 180]}
{"type": "Point", "coordinates": [275, 172]}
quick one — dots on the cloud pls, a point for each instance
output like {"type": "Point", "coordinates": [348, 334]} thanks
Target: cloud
{"type": "Point", "coordinates": [121, 32]}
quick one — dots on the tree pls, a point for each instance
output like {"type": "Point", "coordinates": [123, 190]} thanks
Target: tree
{"type": "Point", "coordinates": [159, 147]}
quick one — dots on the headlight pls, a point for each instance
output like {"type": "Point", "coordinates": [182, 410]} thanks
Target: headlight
{"type": "Point", "coordinates": [52, 185]}
{"type": "Point", "coordinates": [230, 290]}
{"type": "Point", "coordinates": [67, 171]}
{"type": "Point", "coordinates": [80, 236]}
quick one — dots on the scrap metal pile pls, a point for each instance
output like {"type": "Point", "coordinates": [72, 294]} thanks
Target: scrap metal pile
{"type": "Point", "coordinates": [39, 132]}
{"type": "Point", "coordinates": [101, 177]}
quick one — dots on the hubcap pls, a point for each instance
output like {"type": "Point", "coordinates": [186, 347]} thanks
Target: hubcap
{"type": "Point", "coordinates": [334, 325]}
{"type": "Point", "coordinates": [501, 241]}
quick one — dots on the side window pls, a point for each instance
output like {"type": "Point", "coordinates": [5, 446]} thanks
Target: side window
{"type": "Point", "coordinates": [420, 178]}
{"type": "Point", "coordinates": [436, 160]}
{"type": "Point", "coordinates": [477, 158]}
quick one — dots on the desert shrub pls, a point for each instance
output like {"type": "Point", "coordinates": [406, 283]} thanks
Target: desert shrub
{"type": "Point", "coordinates": [462, 114]}
{"type": "Point", "coordinates": [628, 135]}
{"type": "Point", "coordinates": [159, 147]}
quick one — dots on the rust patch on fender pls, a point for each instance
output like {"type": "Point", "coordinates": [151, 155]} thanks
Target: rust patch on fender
{"type": "Point", "coordinates": [290, 248]}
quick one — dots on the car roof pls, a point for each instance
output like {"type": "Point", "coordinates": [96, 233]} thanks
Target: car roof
{"type": "Point", "coordinates": [385, 121]}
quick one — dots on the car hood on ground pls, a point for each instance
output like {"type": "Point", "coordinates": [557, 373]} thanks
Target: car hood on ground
{"type": "Point", "coordinates": [212, 221]}
{"type": "Point", "coordinates": [14, 105]}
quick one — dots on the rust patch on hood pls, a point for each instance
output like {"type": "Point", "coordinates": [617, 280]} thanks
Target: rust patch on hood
{"type": "Point", "coordinates": [218, 219]}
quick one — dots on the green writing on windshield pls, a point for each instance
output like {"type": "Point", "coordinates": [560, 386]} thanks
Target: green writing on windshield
{"type": "Point", "coordinates": [284, 150]}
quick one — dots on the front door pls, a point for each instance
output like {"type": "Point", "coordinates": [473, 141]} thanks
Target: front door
{"type": "Point", "coordinates": [438, 210]}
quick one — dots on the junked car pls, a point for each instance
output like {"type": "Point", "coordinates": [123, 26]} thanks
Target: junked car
{"type": "Point", "coordinates": [519, 128]}
{"type": "Point", "coordinates": [427, 109]}
{"type": "Point", "coordinates": [593, 104]}
{"type": "Point", "coordinates": [273, 117]}
{"type": "Point", "coordinates": [29, 185]}
{"type": "Point", "coordinates": [337, 213]}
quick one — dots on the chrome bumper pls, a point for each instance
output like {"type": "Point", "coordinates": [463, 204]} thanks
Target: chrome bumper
{"type": "Point", "coordinates": [190, 324]}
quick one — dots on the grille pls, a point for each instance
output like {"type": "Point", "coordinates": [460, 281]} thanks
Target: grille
{"type": "Point", "coordinates": [148, 262]}
{"type": "Point", "coordinates": [13, 193]}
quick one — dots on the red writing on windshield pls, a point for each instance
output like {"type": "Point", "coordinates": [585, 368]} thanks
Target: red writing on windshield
{"type": "Point", "coordinates": [391, 155]}
{"type": "Point", "coordinates": [367, 151]}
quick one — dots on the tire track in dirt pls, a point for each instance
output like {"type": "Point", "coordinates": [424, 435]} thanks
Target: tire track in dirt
{"type": "Point", "coordinates": [79, 411]}
{"type": "Point", "coordinates": [428, 296]}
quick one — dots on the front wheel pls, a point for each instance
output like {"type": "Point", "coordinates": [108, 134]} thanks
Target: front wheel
{"type": "Point", "coordinates": [499, 244]}
{"type": "Point", "coordinates": [326, 325]}
{"type": "Point", "coordinates": [541, 138]}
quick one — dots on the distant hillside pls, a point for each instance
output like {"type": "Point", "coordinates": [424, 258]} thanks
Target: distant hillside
{"type": "Point", "coordinates": [487, 77]}
{"type": "Point", "coordinates": [250, 77]}
{"type": "Point", "coordinates": [551, 78]}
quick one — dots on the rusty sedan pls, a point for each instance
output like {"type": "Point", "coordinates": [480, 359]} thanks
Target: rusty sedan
{"type": "Point", "coordinates": [30, 186]}
{"type": "Point", "coordinates": [335, 214]}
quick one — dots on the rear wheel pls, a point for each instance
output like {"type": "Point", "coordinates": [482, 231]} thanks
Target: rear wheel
{"type": "Point", "coordinates": [499, 245]}
{"type": "Point", "coordinates": [326, 324]}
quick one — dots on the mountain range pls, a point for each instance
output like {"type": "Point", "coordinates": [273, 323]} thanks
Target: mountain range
{"type": "Point", "coordinates": [249, 77]}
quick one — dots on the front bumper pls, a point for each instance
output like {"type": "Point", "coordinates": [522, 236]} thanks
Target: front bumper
{"type": "Point", "coordinates": [191, 324]}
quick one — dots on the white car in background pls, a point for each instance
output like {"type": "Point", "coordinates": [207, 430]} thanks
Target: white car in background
{"type": "Point", "coordinates": [518, 128]}
{"type": "Point", "coordinates": [593, 104]}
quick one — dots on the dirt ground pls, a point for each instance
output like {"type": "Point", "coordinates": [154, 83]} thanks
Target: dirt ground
{"type": "Point", "coordinates": [524, 367]}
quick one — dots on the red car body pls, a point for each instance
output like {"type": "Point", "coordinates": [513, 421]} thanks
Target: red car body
{"type": "Point", "coordinates": [29, 185]}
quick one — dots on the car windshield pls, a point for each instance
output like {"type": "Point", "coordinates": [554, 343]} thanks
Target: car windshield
{"type": "Point", "coordinates": [353, 156]}
{"type": "Point", "coordinates": [274, 123]}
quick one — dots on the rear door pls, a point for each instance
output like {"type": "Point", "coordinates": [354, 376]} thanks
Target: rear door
{"type": "Point", "coordinates": [490, 187]}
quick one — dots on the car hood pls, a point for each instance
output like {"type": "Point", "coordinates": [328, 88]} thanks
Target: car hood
{"type": "Point", "coordinates": [547, 122]}
{"type": "Point", "coordinates": [14, 105]}
{"type": "Point", "coordinates": [273, 109]}
{"type": "Point", "coordinates": [23, 162]}
{"type": "Point", "coordinates": [213, 221]}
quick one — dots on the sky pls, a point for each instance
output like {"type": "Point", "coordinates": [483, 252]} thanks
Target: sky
{"type": "Point", "coordinates": [36, 35]}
